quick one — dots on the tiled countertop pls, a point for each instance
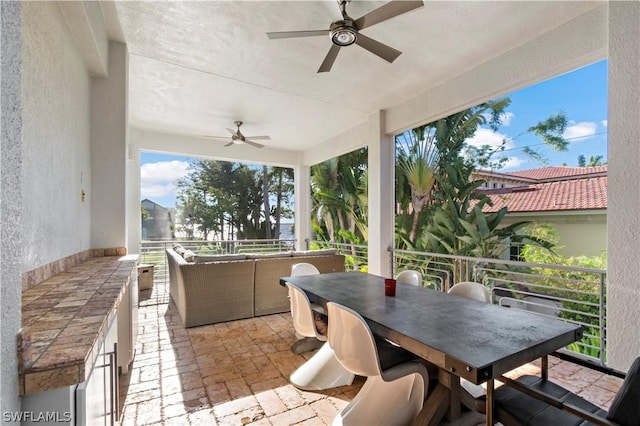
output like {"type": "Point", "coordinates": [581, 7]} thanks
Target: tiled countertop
{"type": "Point", "coordinates": [65, 318]}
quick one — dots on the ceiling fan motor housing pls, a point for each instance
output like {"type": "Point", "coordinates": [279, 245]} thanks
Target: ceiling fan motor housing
{"type": "Point", "coordinates": [343, 33]}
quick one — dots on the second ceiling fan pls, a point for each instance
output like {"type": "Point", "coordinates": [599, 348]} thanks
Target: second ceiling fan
{"type": "Point", "coordinates": [237, 138]}
{"type": "Point", "coordinates": [346, 31]}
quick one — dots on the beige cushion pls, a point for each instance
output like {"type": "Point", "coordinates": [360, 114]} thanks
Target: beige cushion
{"type": "Point", "coordinates": [268, 255]}
{"type": "Point", "coordinates": [188, 255]}
{"type": "Point", "coordinates": [322, 252]}
{"type": "Point", "coordinates": [179, 249]}
{"type": "Point", "coordinates": [218, 258]}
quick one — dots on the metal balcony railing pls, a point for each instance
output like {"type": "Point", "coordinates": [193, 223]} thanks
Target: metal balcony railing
{"type": "Point", "coordinates": [573, 294]}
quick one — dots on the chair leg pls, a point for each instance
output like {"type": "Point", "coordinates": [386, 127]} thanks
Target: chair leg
{"type": "Point", "coordinates": [321, 371]}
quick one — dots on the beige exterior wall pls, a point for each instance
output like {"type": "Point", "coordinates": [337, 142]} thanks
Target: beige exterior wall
{"type": "Point", "coordinates": [580, 235]}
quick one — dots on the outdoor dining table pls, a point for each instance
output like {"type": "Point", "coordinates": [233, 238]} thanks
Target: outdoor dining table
{"type": "Point", "coordinates": [463, 338]}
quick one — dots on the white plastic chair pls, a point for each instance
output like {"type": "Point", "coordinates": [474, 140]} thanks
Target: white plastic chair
{"type": "Point", "coordinates": [396, 387]}
{"type": "Point", "coordinates": [471, 290]}
{"type": "Point", "coordinates": [322, 370]}
{"type": "Point", "coordinates": [474, 291]}
{"type": "Point", "coordinates": [299, 269]}
{"type": "Point", "coordinates": [410, 277]}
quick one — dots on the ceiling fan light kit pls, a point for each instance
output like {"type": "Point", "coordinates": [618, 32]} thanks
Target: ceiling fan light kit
{"type": "Point", "coordinates": [345, 32]}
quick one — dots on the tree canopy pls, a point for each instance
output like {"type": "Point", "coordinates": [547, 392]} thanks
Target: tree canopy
{"type": "Point", "coordinates": [233, 201]}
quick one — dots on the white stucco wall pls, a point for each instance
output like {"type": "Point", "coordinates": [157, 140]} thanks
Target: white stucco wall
{"type": "Point", "coordinates": [109, 132]}
{"type": "Point", "coordinates": [623, 291]}
{"type": "Point", "coordinates": [56, 137]}
{"type": "Point", "coordinates": [10, 202]}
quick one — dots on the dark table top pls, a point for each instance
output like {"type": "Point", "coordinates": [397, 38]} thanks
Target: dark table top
{"type": "Point", "coordinates": [474, 340]}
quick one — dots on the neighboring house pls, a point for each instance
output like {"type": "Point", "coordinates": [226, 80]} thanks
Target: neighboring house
{"type": "Point", "coordinates": [571, 199]}
{"type": "Point", "coordinates": [159, 225]}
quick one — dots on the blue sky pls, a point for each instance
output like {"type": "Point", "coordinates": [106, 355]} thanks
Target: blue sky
{"type": "Point", "coordinates": [581, 95]}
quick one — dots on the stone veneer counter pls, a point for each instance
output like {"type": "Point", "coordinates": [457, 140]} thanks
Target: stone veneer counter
{"type": "Point", "coordinates": [65, 319]}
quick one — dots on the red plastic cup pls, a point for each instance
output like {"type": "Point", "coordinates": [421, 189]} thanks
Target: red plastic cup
{"type": "Point", "coordinates": [389, 287]}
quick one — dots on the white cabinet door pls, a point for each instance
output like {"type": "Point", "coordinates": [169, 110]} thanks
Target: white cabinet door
{"type": "Point", "coordinates": [96, 397]}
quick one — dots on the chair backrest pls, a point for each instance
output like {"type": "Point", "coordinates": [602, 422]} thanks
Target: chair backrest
{"type": "Point", "coordinates": [301, 312]}
{"type": "Point", "coordinates": [299, 269]}
{"type": "Point", "coordinates": [410, 277]}
{"type": "Point", "coordinates": [471, 290]}
{"type": "Point", "coordinates": [352, 341]}
{"type": "Point", "coordinates": [625, 408]}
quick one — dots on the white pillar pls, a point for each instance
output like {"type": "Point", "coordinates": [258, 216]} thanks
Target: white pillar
{"type": "Point", "coordinates": [12, 250]}
{"type": "Point", "coordinates": [302, 206]}
{"type": "Point", "coordinates": [109, 127]}
{"type": "Point", "coordinates": [623, 212]}
{"type": "Point", "coordinates": [134, 222]}
{"type": "Point", "coordinates": [381, 196]}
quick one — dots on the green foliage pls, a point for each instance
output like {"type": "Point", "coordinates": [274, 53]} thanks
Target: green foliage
{"type": "Point", "coordinates": [339, 195]}
{"type": "Point", "coordinates": [594, 160]}
{"type": "Point", "coordinates": [581, 289]}
{"type": "Point", "coordinates": [144, 213]}
{"type": "Point", "coordinates": [228, 198]}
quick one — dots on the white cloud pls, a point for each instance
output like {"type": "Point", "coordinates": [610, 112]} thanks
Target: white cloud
{"type": "Point", "coordinates": [583, 129]}
{"type": "Point", "coordinates": [513, 163]}
{"type": "Point", "coordinates": [485, 136]}
{"type": "Point", "coordinates": [507, 117]}
{"type": "Point", "coordinates": [158, 179]}
{"type": "Point", "coordinates": [604, 123]}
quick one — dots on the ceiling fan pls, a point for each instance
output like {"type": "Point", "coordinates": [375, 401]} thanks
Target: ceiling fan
{"type": "Point", "coordinates": [237, 138]}
{"type": "Point", "coordinates": [346, 31]}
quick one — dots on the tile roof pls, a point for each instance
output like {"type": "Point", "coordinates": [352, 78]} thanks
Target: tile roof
{"type": "Point", "coordinates": [557, 172]}
{"type": "Point", "coordinates": [564, 195]}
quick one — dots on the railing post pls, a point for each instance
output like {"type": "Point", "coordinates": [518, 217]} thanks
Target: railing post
{"type": "Point", "coordinates": [393, 261]}
{"type": "Point", "coordinates": [601, 321]}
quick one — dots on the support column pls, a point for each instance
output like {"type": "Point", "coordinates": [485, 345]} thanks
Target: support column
{"type": "Point", "coordinates": [11, 186]}
{"type": "Point", "coordinates": [302, 206]}
{"type": "Point", "coordinates": [380, 195]}
{"type": "Point", "coordinates": [133, 208]}
{"type": "Point", "coordinates": [623, 218]}
{"type": "Point", "coordinates": [109, 127]}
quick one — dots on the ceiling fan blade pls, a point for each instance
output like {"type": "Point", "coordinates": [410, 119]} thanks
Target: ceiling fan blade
{"type": "Point", "coordinates": [258, 138]}
{"type": "Point", "coordinates": [257, 145]}
{"type": "Point", "coordinates": [229, 144]}
{"type": "Point", "coordinates": [386, 11]}
{"type": "Point", "coordinates": [294, 34]}
{"type": "Point", "coordinates": [233, 132]}
{"type": "Point", "coordinates": [329, 59]}
{"type": "Point", "coordinates": [387, 53]}
{"type": "Point", "coordinates": [215, 137]}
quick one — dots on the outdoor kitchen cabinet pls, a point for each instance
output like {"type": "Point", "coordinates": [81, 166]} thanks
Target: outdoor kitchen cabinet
{"type": "Point", "coordinates": [128, 323]}
{"type": "Point", "coordinates": [93, 402]}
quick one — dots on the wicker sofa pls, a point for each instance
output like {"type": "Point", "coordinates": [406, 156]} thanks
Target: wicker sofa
{"type": "Point", "coordinates": [211, 289]}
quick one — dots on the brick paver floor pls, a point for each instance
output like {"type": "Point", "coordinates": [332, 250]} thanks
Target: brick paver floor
{"type": "Point", "coordinates": [236, 373]}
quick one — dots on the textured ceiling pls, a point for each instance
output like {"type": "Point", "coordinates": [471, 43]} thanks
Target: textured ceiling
{"type": "Point", "coordinates": [196, 67]}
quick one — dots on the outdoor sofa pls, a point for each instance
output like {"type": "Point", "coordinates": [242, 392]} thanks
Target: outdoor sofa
{"type": "Point", "coordinates": [218, 288]}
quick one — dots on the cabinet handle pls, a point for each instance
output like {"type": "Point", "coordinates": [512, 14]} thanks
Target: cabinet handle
{"type": "Point", "coordinates": [113, 380]}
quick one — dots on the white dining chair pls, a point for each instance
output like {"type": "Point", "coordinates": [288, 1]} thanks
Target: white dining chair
{"type": "Point", "coordinates": [471, 290]}
{"type": "Point", "coordinates": [305, 344]}
{"type": "Point", "coordinates": [474, 291]}
{"type": "Point", "coordinates": [322, 370]}
{"type": "Point", "coordinates": [410, 276]}
{"type": "Point", "coordinates": [396, 386]}
{"type": "Point", "coordinates": [302, 268]}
